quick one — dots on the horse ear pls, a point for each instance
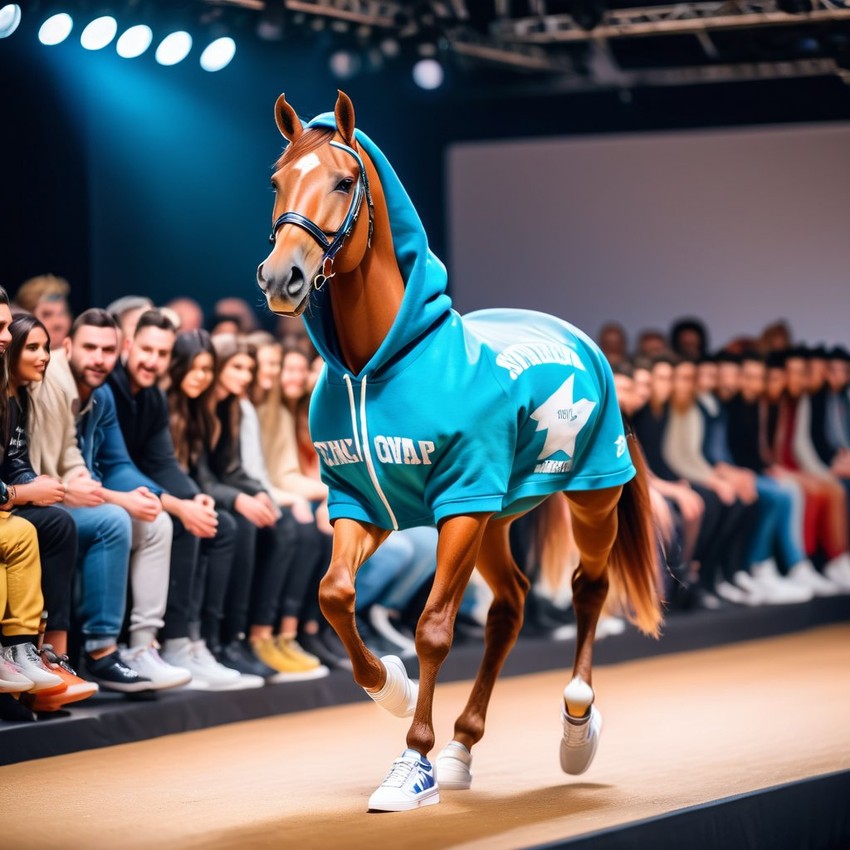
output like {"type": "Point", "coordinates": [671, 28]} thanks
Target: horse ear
{"type": "Point", "coordinates": [287, 120]}
{"type": "Point", "coordinates": [344, 114]}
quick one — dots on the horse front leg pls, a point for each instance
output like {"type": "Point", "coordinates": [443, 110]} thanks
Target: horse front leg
{"type": "Point", "coordinates": [411, 781]}
{"type": "Point", "coordinates": [353, 543]}
{"type": "Point", "coordinates": [504, 621]}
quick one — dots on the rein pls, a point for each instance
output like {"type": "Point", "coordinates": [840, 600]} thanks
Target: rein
{"type": "Point", "coordinates": [337, 238]}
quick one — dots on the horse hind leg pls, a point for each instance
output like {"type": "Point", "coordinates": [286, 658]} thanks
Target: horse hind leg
{"type": "Point", "coordinates": [594, 520]}
{"type": "Point", "coordinates": [504, 620]}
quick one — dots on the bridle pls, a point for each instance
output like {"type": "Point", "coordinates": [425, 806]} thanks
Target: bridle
{"type": "Point", "coordinates": [337, 238]}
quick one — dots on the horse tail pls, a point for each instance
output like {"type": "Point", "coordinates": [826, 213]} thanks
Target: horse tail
{"type": "Point", "coordinates": [635, 577]}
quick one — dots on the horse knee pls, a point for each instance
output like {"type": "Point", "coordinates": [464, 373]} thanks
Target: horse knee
{"type": "Point", "coordinates": [589, 591]}
{"type": "Point", "coordinates": [336, 594]}
{"type": "Point", "coordinates": [433, 637]}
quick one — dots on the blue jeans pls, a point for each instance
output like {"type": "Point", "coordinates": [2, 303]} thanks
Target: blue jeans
{"type": "Point", "coordinates": [393, 575]}
{"type": "Point", "coordinates": [105, 534]}
{"type": "Point", "coordinates": [778, 526]}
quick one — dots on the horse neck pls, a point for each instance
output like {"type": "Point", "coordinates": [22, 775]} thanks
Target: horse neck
{"type": "Point", "coordinates": [366, 300]}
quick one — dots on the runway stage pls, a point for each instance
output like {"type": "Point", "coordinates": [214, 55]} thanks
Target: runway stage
{"type": "Point", "coordinates": [680, 731]}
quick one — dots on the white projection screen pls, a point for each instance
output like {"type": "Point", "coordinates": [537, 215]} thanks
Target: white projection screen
{"type": "Point", "coordinates": [740, 227]}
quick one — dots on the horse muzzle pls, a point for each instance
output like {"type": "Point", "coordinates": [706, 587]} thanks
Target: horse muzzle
{"type": "Point", "coordinates": [287, 295]}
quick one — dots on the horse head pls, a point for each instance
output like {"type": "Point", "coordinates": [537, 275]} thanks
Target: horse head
{"type": "Point", "coordinates": [321, 187]}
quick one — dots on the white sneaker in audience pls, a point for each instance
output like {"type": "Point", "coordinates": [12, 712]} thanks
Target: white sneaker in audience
{"type": "Point", "coordinates": [26, 658]}
{"type": "Point", "coordinates": [838, 570]}
{"type": "Point", "coordinates": [379, 617]}
{"type": "Point", "coordinates": [778, 590]}
{"type": "Point", "coordinates": [609, 626]}
{"type": "Point", "coordinates": [146, 661]}
{"type": "Point", "coordinates": [207, 674]}
{"type": "Point", "coordinates": [806, 575]}
{"type": "Point", "coordinates": [12, 680]}
{"type": "Point", "coordinates": [742, 592]}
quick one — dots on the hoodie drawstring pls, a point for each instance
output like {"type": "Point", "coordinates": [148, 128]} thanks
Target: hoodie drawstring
{"type": "Point", "coordinates": [366, 454]}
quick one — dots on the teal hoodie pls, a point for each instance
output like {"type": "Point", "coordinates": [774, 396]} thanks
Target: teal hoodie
{"type": "Point", "coordinates": [488, 412]}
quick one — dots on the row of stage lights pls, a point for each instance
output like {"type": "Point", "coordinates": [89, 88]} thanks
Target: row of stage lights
{"type": "Point", "coordinates": [133, 42]}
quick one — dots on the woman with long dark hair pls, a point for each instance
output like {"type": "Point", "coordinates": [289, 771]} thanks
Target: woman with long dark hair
{"type": "Point", "coordinates": [271, 540]}
{"type": "Point", "coordinates": [194, 429]}
{"type": "Point", "coordinates": [35, 498]}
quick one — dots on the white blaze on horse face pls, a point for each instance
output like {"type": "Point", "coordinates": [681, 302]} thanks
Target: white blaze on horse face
{"type": "Point", "coordinates": [307, 163]}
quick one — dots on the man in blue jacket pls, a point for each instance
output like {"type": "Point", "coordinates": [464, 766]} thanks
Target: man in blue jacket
{"type": "Point", "coordinates": [92, 351]}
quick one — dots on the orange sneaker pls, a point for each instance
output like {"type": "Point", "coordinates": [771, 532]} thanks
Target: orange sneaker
{"type": "Point", "coordinates": [76, 688]}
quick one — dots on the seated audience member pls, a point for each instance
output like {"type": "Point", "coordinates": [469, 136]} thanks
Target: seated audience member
{"type": "Point", "coordinates": [728, 376]}
{"type": "Point", "coordinates": [126, 312]}
{"type": "Point", "coordinates": [268, 592]}
{"type": "Point", "coordinates": [46, 297]}
{"type": "Point", "coordinates": [189, 313]}
{"type": "Point", "coordinates": [614, 343]}
{"type": "Point", "coordinates": [142, 411]}
{"type": "Point", "coordinates": [194, 429]}
{"type": "Point", "coordinates": [689, 339]}
{"type": "Point", "coordinates": [707, 376]}
{"type": "Point", "coordinates": [92, 351]}
{"type": "Point", "coordinates": [240, 311]}
{"type": "Point", "coordinates": [775, 337]}
{"type": "Point", "coordinates": [651, 343]}
{"type": "Point", "coordinates": [838, 410]}
{"type": "Point", "coordinates": [789, 416]}
{"type": "Point", "coordinates": [746, 437]}
{"type": "Point", "coordinates": [34, 497]}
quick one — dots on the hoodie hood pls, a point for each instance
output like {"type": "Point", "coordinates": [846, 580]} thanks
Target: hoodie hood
{"type": "Point", "coordinates": [425, 303]}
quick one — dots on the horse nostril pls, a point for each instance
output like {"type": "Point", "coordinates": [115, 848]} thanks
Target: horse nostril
{"type": "Point", "coordinates": [260, 279]}
{"type": "Point", "coordinates": [295, 282]}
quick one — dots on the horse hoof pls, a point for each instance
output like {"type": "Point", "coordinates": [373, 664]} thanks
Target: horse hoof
{"type": "Point", "coordinates": [411, 783]}
{"type": "Point", "coordinates": [453, 767]}
{"type": "Point", "coordinates": [399, 693]}
{"type": "Point", "coordinates": [580, 740]}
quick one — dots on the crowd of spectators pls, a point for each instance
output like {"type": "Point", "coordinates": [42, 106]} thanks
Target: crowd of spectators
{"type": "Point", "coordinates": [163, 523]}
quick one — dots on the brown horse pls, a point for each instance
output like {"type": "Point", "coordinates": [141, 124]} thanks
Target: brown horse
{"type": "Point", "coordinates": [323, 244]}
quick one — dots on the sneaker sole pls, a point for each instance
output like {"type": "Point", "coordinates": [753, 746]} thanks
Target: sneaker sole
{"type": "Point", "coordinates": [302, 676]}
{"type": "Point", "coordinates": [122, 687]}
{"type": "Point", "coordinates": [432, 798]}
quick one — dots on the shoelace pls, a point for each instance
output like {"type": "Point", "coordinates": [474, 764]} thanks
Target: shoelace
{"type": "Point", "coordinates": [576, 733]}
{"type": "Point", "coordinates": [400, 772]}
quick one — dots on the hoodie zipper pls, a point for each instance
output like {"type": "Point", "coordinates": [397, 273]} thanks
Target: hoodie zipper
{"type": "Point", "coordinates": [366, 454]}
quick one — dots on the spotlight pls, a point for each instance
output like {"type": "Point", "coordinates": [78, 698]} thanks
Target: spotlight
{"type": "Point", "coordinates": [344, 64]}
{"type": "Point", "coordinates": [174, 48]}
{"type": "Point", "coordinates": [134, 41]}
{"type": "Point", "coordinates": [10, 17]}
{"type": "Point", "coordinates": [55, 29]}
{"type": "Point", "coordinates": [99, 33]}
{"type": "Point", "coordinates": [217, 54]}
{"type": "Point", "coordinates": [428, 74]}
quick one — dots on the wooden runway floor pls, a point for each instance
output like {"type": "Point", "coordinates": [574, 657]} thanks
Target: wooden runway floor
{"type": "Point", "coordinates": [679, 730]}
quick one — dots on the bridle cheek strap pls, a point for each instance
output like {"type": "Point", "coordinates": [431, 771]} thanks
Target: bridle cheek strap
{"type": "Point", "coordinates": [331, 246]}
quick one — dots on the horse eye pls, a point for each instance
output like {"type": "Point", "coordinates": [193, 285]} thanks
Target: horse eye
{"type": "Point", "coordinates": [344, 185]}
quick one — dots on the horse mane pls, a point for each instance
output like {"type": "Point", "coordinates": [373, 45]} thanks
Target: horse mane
{"type": "Point", "coordinates": [308, 141]}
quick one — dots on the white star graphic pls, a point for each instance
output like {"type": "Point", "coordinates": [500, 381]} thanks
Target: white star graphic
{"type": "Point", "coordinates": [563, 419]}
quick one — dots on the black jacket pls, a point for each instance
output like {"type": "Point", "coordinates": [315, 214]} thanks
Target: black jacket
{"type": "Point", "coordinates": [143, 418]}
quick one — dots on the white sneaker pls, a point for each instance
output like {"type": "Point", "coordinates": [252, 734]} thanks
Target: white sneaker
{"type": "Point", "coordinates": [26, 658]}
{"type": "Point", "coordinates": [379, 617]}
{"type": "Point", "coordinates": [12, 680]}
{"type": "Point", "coordinates": [146, 661]}
{"type": "Point", "coordinates": [738, 594]}
{"type": "Point", "coordinates": [399, 694]}
{"type": "Point", "coordinates": [207, 674]}
{"type": "Point", "coordinates": [778, 590]}
{"type": "Point", "coordinates": [580, 740]}
{"type": "Point", "coordinates": [838, 570]}
{"type": "Point", "coordinates": [609, 626]}
{"type": "Point", "coordinates": [453, 767]}
{"type": "Point", "coordinates": [411, 783]}
{"type": "Point", "coordinates": [805, 575]}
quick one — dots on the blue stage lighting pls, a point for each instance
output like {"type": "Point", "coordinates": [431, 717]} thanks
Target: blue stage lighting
{"type": "Point", "coordinates": [134, 41]}
{"type": "Point", "coordinates": [10, 17]}
{"type": "Point", "coordinates": [217, 54]}
{"type": "Point", "coordinates": [55, 29]}
{"type": "Point", "coordinates": [99, 33]}
{"type": "Point", "coordinates": [174, 48]}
